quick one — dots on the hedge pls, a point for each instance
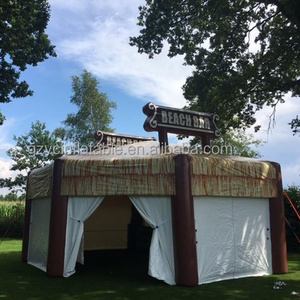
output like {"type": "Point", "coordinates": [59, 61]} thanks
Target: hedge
{"type": "Point", "coordinates": [11, 219]}
{"type": "Point", "coordinates": [293, 244]}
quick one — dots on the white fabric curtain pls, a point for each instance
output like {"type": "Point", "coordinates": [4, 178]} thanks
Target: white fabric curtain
{"type": "Point", "coordinates": [39, 232]}
{"type": "Point", "coordinates": [79, 210]}
{"type": "Point", "coordinates": [157, 212]}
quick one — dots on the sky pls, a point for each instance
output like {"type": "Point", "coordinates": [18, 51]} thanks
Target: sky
{"type": "Point", "coordinates": [94, 35]}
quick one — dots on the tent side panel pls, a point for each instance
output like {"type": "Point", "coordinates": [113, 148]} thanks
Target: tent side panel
{"type": "Point", "coordinates": [58, 225]}
{"type": "Point", "coordinates": [26, 230]}
{"type": "Point", "coordinates": [185, 251]}
{"type": "Point", "coordinates": [233, 238]}
{"type": "Point", "coordinates": [277, 224]}
{"type": "Point", "coordinates": [39, 232]}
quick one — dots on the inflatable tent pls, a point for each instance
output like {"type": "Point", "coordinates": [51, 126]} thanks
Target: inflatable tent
{"type": "Point", "coordinates": [213, 217]}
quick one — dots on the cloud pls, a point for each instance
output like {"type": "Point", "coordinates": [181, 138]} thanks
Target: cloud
{"type": "Point", "coordinates": [104, 50]}
{"type": "Point", "coordinates": [5, 165]}
{"type": "Point", "coordinates": [280, 130]}
{"type": "Point", "coordinates": [281, 146]}
{"type": "Point", "coordinates": [284, 113]}
{"type": "Point", "coordinates": [5, 162]}
{"type": "Point", "coordinates": [291, 173]}
{"type": "Point", "coordinates": [5, 131]}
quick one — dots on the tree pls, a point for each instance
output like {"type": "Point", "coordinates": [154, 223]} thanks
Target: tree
{"type": "Point", "coordinates": [12, 197]}
{"type": "Point", "coordinates": [246, 54]}
{"type": "Point", "coordinates": [242, 144]}
{"type": "Point", "coordinates": [295, 125]}
{"type": "Point", "coordinates": [93, 111]}
{"type": "Point", "coordinates": [23, 42]}
{"type": "Point", "coordinates": [33, 150]}
{"type": "Point", "coordinates": [293, 222]}
{"type": "Point", "coordinates": [233, 142]}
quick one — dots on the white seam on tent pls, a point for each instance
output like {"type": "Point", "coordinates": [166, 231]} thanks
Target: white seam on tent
{"type": "Point", "coordinates": [233, 231]}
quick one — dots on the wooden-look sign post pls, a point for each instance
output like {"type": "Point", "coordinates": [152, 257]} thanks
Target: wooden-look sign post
{"type": "Point", "coordinates": [180, 121]}
{"type": "Point", "coordinates": [184, 122]}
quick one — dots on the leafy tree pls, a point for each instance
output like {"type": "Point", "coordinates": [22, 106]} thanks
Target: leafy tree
{"type": "Point", "coordinates": [22, 197]}
{"type": "Point", "coordinates": [246, 54]}
{"type": "Point", "coordinates": [294, 194]}
{"type": "Point", "coordinates": [242, 144]}
{"type": "Point", "coordinates": [234, 142]}
{"type": "Point", "coordinates": [295, 125]}
{"type": "Point", "coordinates": [33, 150]}
{"type": "Point", "coordinates": [93, 111]}
{"type": "Point", "coordinates": [23, 42]}
{"type": "Point", "coordinates": [12, 197]}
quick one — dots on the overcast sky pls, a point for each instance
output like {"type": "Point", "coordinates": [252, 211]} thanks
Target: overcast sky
{"type": "Point", "coordinates": [94, 35]}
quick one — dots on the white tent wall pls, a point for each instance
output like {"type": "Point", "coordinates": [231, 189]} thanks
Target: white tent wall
{"type": "Point", "coordinates": [253, 255]}
{"type": "Point", "coordinates": [79, 209]}
{"type": "Point", "coordinates": [233, 238]}
{"type": "Point", "coordinates": [157, 212]}
{"type": "Point", "coordinates": [39, 232]}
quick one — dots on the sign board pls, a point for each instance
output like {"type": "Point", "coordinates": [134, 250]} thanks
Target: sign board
{"type": "Point", "coordinates": [180, 121]}
{"type": "Point", "coordinates": [109, 139]}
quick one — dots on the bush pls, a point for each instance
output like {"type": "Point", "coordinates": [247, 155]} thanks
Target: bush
{"type": "Point", "coordinates": [12, 219]}
{"type": "Point", "coordinates": [294, 194]}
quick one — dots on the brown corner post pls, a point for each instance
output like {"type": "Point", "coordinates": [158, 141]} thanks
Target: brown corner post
{"type": "Point", "coordinates": [58, 225]}
{"type": "Point", "coordinates": [185, 251]}
{"type": "Point", "coordinates": [26, 230]}
{"type": "Point", "coordinates": [277, 224]}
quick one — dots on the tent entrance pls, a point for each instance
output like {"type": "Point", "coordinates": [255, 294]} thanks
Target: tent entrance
{"type": "Point", "coordinates": [113, 264]}
{"type": "Point", "coordinates": [116, 224]}
{"type": "Point", "coordinates": [116, 235]}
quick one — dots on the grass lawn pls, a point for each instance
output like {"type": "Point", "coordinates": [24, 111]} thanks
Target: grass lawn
{"type": "Point", "coordinates": [118, 276]}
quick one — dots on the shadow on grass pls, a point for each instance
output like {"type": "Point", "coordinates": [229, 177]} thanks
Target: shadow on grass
{"type": "Point", "coordinates": [294, 262]}
{"type": "Point", "coordinates": [122, 276]}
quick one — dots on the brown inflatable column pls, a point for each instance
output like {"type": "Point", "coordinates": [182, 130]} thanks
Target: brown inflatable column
{"type": "Point", "coordinates": [58, 225]}
{"type": "Point", "coordinates": [25, 243]}
{"type": "Point", "coordinates": [277, 224]}
{"type": "Point", "coordinates": [26, 229]}
{"type": "Point", "coordinates": [185, 251]}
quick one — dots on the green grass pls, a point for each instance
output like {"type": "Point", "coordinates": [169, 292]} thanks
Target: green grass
{"type": "Point", "coordinates": [115, 275]}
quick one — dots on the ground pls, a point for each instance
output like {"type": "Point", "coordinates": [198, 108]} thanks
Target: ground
{"type": "Point", "coordinates": [117, 276]}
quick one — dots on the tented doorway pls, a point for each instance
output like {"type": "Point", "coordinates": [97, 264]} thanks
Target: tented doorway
{"type": "Point", "coordinates": [115, 224]}
{"type": "Point", "coordinates": [116, 240]}
{"type": "Point", "coordinates": [106, 228]}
